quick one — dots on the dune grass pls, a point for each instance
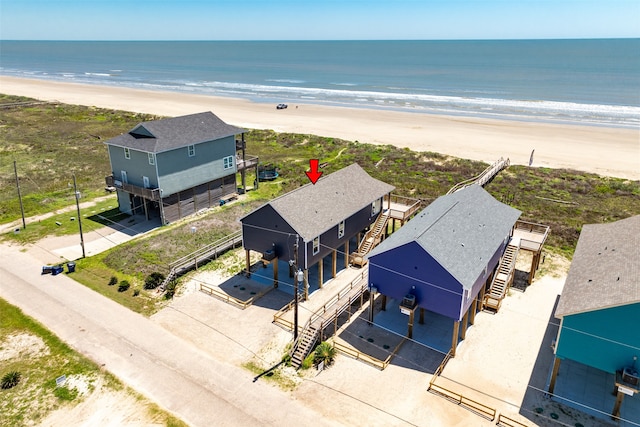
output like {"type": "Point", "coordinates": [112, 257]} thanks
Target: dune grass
{"type": "Point", "coordinates": [51, 141]}
{"type": "Point", "coordinates": [40, 357]}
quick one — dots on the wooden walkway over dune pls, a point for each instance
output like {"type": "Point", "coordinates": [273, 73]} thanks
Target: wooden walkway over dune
{"type": "Point", "coordinates": [487, 175]}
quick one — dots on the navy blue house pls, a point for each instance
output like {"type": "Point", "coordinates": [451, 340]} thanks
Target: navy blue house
{"type": "Point", "coordinates": [317, 219]}
{"type": "Point", "coordinates": [445, 256]}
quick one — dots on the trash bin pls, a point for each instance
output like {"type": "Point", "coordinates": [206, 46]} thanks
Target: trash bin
{"type": "Point", "coordinates": [57, 269]}
{"type": "Point", "coordinates": [71, 266]}
{"type": "Point", "coordinates": [47, 269]}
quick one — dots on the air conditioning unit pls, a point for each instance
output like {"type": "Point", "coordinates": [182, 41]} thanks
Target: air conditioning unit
{"type": "Point", "coordinates": [269, 255]}
{"type": "Point", "coordinates": [409, 301]}
{"type": "Point", "coordinates": [630, 376]}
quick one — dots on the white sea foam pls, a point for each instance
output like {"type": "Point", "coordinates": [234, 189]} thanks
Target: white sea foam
{"type": "Point", "coordinates": [97, 74]}
{"type": "Point", "coordinates": [487, 104]}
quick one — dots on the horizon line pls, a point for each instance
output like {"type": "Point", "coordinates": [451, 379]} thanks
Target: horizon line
{"type": "Point", "coordinates": [322, 40]}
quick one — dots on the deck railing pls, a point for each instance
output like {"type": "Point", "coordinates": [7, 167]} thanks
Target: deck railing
{"type": "Point", "coordinates": [470, 404]}
{"type": "Point", "coordinates": [360, 282]}
{"type": "Point", "coordinates": [248, 162]}
{"type": "Point", "coordinates": [366, 358]}
{"type": "Point", "coordinates": [278, 317]}
{"type": "Point", "coordinates": [533, 228]}
{"type": "Point", "coordinates": [147, 193]}
{"type": "Point", "coordinates": [505, 421]}
{"type": "Point", "coordinates": [217, 293]}
{"type": "Point", "coordinates": [413, 204]}
{"type": "Point", "coordinates": [210, 251]}
{"type": "Point", "coordinates": [484, 177]}
{"type": "Point", "coordinates": [438, 371]}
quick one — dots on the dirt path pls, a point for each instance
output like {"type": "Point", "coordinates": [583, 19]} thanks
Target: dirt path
{"type": "Point", "coordinates": [10, 226]}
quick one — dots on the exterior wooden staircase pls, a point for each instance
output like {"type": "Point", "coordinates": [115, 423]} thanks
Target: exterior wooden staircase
{"type": "Point", "coordinates": [371, 239]}
{"type": "Point", "coordinates": [304, 345]}
{"type": "Point", "coordinates": [327, 315]}
{"type": "Point", "coordinates": [503, 278]}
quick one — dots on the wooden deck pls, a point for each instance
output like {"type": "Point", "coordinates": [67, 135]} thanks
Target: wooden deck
{"type": "Point", "coordinates": [532, 236]}
{"type": "Point", "coordinates": [401, 208]}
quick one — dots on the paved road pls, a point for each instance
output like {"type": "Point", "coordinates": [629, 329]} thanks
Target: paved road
{"type": "Point", "coordinates": [167, 369]}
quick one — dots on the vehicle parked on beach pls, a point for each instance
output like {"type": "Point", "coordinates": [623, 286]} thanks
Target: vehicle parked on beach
{"type": "Point", "coordinates": [281, 106]}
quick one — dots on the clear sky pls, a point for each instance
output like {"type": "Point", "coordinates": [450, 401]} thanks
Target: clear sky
{"type": "Point", "coordinates": [316, 20]}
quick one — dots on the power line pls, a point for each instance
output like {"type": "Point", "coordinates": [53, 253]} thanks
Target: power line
{"type": "Point", "coordinates": [444, 289]}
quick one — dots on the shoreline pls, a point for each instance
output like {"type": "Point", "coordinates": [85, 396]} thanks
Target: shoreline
{"type": "Point", "coordinates": [607, 151]}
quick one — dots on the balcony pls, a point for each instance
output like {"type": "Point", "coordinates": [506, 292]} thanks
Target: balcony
{"type": "Point", "coordinates": [248, 162]}
{"type": "Point", "coordinates": [532, 236]}
{"type": "Point", "coordinates": [147, 193]}
{"type": "Point", "coordinates": [401, 208]}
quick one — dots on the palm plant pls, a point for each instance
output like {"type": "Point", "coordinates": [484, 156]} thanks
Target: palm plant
{"type": "Point", "coordinates": [10, 380]}
{"type": "Point", "coordinates": [324, 353]}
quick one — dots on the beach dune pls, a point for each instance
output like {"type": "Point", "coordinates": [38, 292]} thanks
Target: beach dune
{"type": "Point", "coordinates": [606, 151]}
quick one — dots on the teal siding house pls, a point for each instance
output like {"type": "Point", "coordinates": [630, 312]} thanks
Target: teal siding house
{"type": "Point", "coordinates": [599, 308]}
{"type": "Point", "coordinates": [172, 168]}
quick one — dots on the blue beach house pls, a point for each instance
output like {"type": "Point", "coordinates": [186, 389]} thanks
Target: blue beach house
{"type": "Point", "coordinates": [317, 219]}
{"type": "Point", "coordinates": [599, 309]}
{"type": "Point", "coordinates": [174, 167]}
{"type": "Point", "coordinates": [443, 258]}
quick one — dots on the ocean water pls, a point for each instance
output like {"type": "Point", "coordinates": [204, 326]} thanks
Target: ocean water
{"type": "Point", "coordinates": [577, 81]}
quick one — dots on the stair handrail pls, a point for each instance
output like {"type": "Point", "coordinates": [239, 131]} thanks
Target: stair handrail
{"type": "Point", "coordinates": [317, 315]}
{"type": "Point", "coordinates": [484, 177]}
{"type": "Point", "coordinates": [206, 250]}
{"type": "Point", "coordinates": [371, 230]}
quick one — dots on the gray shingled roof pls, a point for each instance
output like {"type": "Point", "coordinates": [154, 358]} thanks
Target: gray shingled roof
{"type": "Point", "coordinates": [461, 231]}
{"type": "Point", "coordinates": [168, 134]}
{"type": "Point", "coordinates": [313, 209]}
{"type": "Point", "coordinates": [605, 270]}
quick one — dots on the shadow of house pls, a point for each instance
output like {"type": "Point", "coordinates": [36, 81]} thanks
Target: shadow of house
{"type": "Point", "coordinates": [310, 223]}
{"type": "Point", "coordinates": [172, 168]}
{"type": "Point", "coordinates": [443, 258]}
{"type": "Point", "coordinates": [600, 306]}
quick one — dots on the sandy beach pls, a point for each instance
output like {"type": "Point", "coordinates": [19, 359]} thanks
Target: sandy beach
{"type": "Point", "coordinates": [605, 151]}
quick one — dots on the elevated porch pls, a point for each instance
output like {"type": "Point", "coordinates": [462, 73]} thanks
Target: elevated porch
{"type": "Point", "coordinates": [532, 238]}
{"type": "Point", "coordinates": [401, 208]}
{"type": "Point", "coordinates": [152, 194]}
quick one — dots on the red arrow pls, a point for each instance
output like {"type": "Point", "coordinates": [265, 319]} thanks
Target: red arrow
{"type": "Point", "coordinates": [314, 175]}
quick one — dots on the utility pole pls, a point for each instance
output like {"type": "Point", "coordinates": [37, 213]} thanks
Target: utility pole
{"type": "Point", "coordinates": [75, 188]}
{"type": "Point", "coordinates": [15, 170]}
{"type": "Point", "coordinates": [295, 292]}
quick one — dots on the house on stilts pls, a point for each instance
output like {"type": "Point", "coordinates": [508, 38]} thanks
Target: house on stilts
{"type": "Point", "coordinates": [171, 168]}
{"type": "Point", "coordinates": [599, 312]}
{"type": "Point", "coordinates": [305, 227]}
{"type": "Point", "coordinates": [446, 258]}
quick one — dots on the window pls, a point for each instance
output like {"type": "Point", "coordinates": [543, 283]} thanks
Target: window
{"type": "Point", "coordinates": [316, 245]}
{"type": "Point", "coordinates": [127, 153]}
{"type": "Point", "coordinates": [192, 150]}
{"type": "Point", "coordinates": [341, 230]}
{"type": "Point", "coordinates": [123, 175]}
{"type": "Point", "coordinates": [145, 182]}
{"type": "Point", "coordinates": [228, 162]}
{"type": "Point", "coordinates": [152, 158]}
{"type": "Point", "coordinates": [375, 207]}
